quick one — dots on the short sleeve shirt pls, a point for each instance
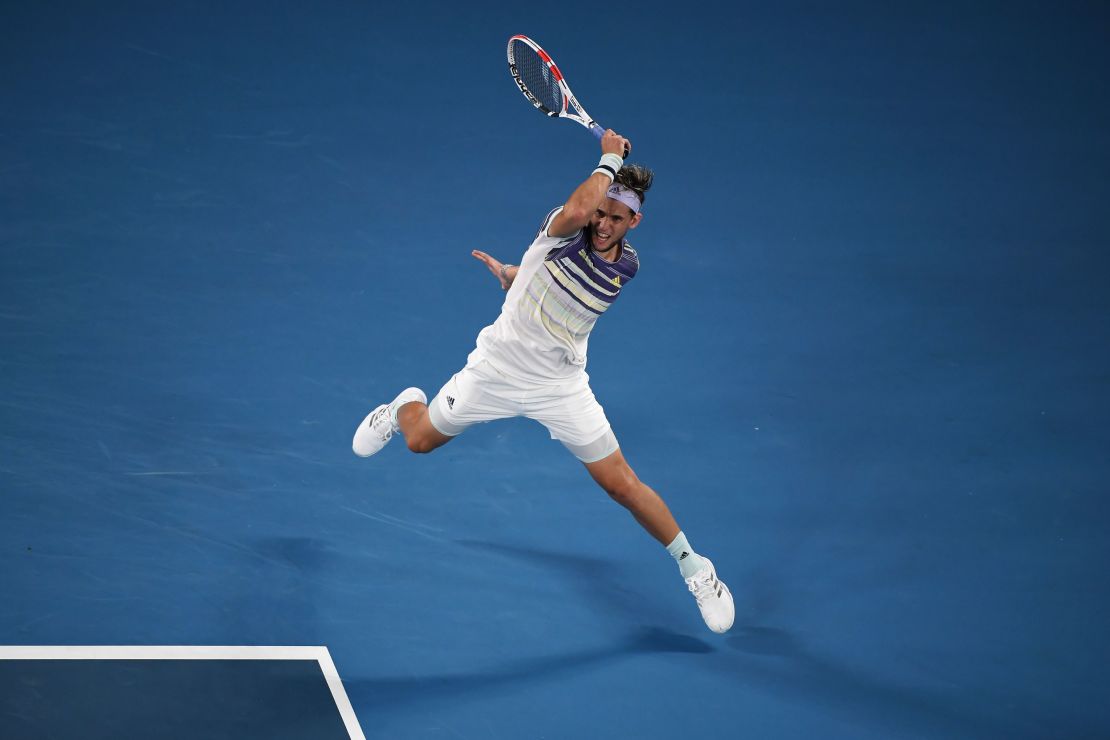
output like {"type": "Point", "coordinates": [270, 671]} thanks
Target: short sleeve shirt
{"type": "Point", "coordinates": [561, 288]}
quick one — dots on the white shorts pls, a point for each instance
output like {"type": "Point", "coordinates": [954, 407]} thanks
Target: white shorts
{"type": "Point", "coordinates": [479, 393]}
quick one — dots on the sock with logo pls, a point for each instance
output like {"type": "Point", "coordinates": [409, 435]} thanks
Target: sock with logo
{"type": "Point", "coordinates": [689, 562]}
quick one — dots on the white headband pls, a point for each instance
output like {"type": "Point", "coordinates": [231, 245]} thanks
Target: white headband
{"type": "Point", "coordinates": [625, 195]}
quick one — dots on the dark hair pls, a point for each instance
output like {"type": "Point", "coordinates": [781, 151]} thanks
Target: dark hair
{"type": "Point", "coordinates": [636, 178]}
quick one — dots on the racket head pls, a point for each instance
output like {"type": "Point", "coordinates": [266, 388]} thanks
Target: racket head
{"type": "Point", "coordinates": [537, 76]}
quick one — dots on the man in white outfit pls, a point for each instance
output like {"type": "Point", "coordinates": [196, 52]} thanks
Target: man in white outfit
{"type": "Point", "coordinates": [532, 360]}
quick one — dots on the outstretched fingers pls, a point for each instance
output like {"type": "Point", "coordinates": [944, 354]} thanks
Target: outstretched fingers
{"type": "Point", "coordinates": [495, 266]}
{"type": "Point", "coordinates": [490, 262]}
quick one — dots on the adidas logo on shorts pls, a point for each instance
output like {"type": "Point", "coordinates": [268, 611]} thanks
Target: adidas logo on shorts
{"type": "Point", "coordinates": [450, 403]}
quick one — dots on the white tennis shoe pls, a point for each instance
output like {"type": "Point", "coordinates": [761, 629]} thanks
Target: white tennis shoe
{"type": "Point", "coordinates": [380, 425]}
{"type": "Point", "coordinates": [713, 597]}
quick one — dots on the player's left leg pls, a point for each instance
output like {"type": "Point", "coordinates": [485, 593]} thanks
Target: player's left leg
{"type": "Point", "coordinates": [574, 417]}
{"type": "Point", "coordinates": [616, 477]}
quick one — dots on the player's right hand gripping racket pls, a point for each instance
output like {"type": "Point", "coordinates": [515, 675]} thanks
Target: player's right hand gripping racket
{"type": "Point", "coordinates": [544, 85]}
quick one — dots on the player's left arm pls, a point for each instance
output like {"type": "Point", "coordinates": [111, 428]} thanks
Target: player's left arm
{"type": "Point", "coordinates": [586, 198]}
{"type": "Point", "coordinates": [505, 274]}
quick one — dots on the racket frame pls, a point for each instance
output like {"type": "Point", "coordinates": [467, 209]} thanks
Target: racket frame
{"type": "Point", "coordinates": [581, 116]}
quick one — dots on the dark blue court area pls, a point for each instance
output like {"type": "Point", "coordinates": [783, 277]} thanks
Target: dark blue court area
{"type": "Point", "coordinates": [93, 693]}
{"type": "Point", "coordinates": [866, 361]}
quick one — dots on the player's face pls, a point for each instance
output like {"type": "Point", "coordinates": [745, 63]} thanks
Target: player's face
{"type": "Point", "coordinates": [610, 222]}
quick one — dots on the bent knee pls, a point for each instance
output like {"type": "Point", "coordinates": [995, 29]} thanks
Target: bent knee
{"type": "Point", "coordinates": [420, 444]}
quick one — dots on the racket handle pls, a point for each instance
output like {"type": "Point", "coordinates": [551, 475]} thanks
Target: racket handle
{"type": "Point", "coordinates": [598, 131]}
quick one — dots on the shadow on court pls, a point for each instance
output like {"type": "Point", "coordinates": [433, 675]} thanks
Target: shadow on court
{"type": "Point", "coordinates": [397, 692]}
{"type": "Point", "coordinates": [597, 580]}
{"type": "Point", "coordinates": [780, 663]}
{"type": "Point", "coordinates": [759, 657]}
{"type": "Point", "coordinates": [600, 582]}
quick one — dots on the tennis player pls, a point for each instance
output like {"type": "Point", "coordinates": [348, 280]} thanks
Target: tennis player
{"type": "Point", "coordinates": [531, 361]}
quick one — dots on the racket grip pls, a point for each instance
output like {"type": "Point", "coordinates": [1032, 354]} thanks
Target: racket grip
{"type": "Point", "coordinates": [598, 131]}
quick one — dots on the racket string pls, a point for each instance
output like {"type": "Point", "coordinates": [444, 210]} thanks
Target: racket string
{"type": "Point", "coordinates": [537, 77]}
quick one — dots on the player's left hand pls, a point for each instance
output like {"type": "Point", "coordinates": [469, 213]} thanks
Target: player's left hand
{"type": "Point", "coordinates": [614, 143]}
{"type": "Point", "coordinates": [494, 267]}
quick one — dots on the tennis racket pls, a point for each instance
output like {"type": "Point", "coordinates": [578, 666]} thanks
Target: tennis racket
{"type": "Point", "coordinates": [543, 84]}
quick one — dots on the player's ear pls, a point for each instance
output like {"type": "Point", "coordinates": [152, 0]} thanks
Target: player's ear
{"type": "Point", "coordinates": [635, 220]}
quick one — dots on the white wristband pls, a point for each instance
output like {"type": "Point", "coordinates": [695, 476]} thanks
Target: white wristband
{"type": "Point", "coordinates": [610, 164]}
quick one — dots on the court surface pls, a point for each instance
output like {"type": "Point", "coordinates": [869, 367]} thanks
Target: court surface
{"type": "Point", "coordinates": [865, 361]}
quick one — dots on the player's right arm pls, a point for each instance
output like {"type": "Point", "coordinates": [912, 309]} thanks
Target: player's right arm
{"type": "Point", "coordinates": [504, 273]}
{"type": "Point", "coordinates": [589, 195]}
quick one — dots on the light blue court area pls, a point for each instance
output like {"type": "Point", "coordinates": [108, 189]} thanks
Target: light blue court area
{"type": "Point", "coordinates": [172, 693]}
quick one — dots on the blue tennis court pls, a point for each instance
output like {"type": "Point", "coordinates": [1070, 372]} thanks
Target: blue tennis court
{"type": "Point", "coordinates": [866, 361]}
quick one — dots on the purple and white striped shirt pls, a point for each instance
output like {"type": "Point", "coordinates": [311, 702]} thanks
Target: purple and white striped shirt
{"type": "Point", "coordinates": [561, 288]}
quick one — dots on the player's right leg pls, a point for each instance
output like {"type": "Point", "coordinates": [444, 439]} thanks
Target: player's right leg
{"type": "Point", "coordinates": [415, 422]}
{"type": "Point", "coordinates": [474, 395]}
{"type": "Point", "coordinates": [382, 423]}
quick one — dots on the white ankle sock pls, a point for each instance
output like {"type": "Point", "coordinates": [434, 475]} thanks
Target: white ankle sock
{"type": "Point", "coordinates": [689, 562]}
{"type": "Point", "coordinates": [404, 398]}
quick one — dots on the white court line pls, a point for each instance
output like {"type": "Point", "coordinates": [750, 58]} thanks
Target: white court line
{"type": "Point", "coordinates": [339, 694]}
{"type": "Point", "coordinates": [318, 653]}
